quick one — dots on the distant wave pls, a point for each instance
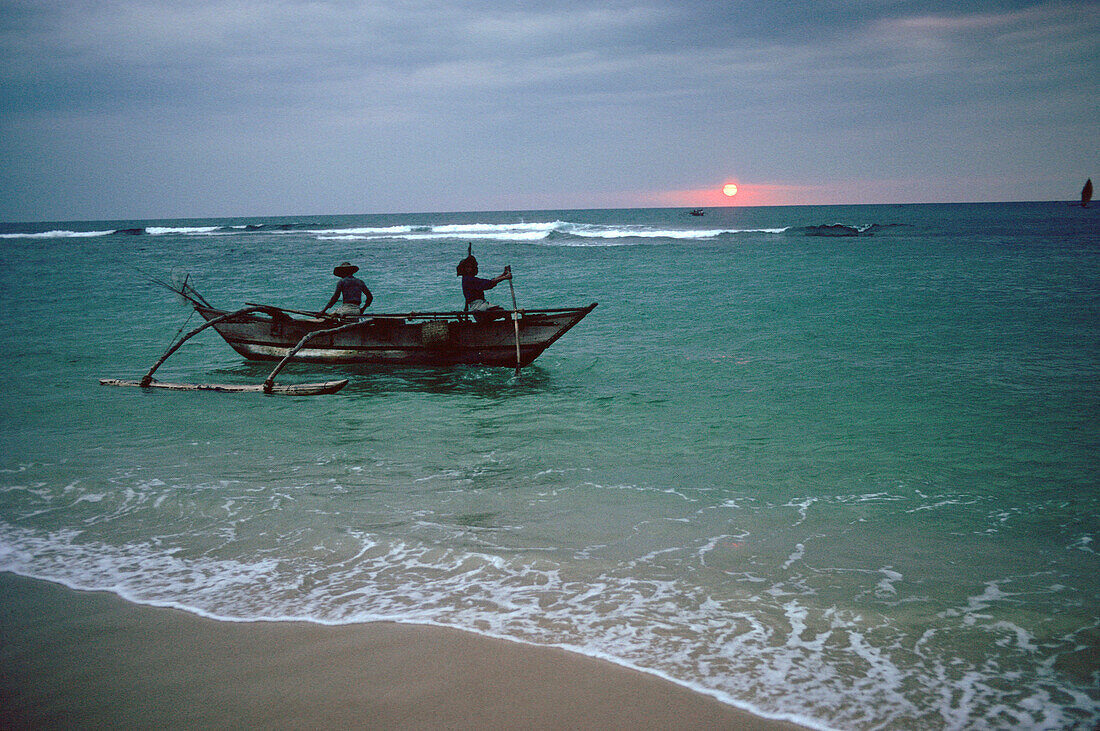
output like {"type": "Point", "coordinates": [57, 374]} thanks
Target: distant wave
{"type": "Point", "coordinates": [842, 229]}
{"type": "Point", "coordinates": [216, 230]}
{"type": "Point", "coordinates": [136, 231]}
{"type": "Point", "coordinates": [556, 233]}
{"type": "Point", "coordinates": [590, 231]}
{"type": "Point", "coordinates": [186, 230]}
{"type": "Point", "coordinates": [566, 233]}
{"type": "Point", "coordinates": [472, 231]}
{"type": "Point", "coordinates": [270, 226]}
{"type": "Point", "coordinates": [560, 233]}
{"type": "Point", "coordinates": [58, 235]}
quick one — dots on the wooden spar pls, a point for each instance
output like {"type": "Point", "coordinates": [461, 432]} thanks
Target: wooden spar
{"type": "Point", "coordinates": [515, 318]}
{"type": "Point", "coordinates": [148, 379]}
{"type": "Point", "coordinates": [184, 290]}
{"type": "Point", "coordinates": [270, 382]}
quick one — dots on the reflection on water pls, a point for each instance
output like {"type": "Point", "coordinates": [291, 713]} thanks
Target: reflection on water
{"type": "Point", "coordinates": [482, 382]}
{"type": "Point", "coordinates": [377, 380]}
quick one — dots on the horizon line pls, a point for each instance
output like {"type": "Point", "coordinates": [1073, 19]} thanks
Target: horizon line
{"type": "Point", "coordinates": [529, 210]}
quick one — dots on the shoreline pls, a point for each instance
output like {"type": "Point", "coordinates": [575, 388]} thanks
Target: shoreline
{"type": "Point", "coordinates": [72, 658]}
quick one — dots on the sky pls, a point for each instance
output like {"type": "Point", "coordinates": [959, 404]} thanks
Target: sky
{"type": "Point", "coordinates": [131, 109]}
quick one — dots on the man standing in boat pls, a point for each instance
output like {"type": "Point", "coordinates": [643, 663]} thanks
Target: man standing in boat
{"type": "Point", "coordinates": [473, 288]}
{"type": "Point", "coordinates": [352, 289]}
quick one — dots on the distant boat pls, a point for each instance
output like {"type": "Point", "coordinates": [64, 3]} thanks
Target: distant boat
{"type": "Point", "coordinates": [1086, 193]}
{"type": "Point", "coordinates": [696, 212]}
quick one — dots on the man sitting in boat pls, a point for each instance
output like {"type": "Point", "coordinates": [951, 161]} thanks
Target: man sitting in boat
{"type": "Point", "coordinates": [473, 288]}
{"type": "Point", "coordinates": [352, 289]}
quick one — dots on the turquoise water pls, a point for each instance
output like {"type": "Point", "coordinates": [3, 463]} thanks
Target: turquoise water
{"type": "Point", "coordinates": [846, 480]}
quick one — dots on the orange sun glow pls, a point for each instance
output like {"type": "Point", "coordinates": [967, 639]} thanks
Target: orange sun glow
{"type": "Point", "coordinates": [729, 189]}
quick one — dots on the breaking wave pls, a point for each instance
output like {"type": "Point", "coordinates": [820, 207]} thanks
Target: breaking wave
{"type": "Point", "coordinates": [843, 229]}
{"type": "Point", "coordinates": [561, 233]}
{"type": "Point", "coordinates": [568, 233]}
{"type": "Point", "coordinates": [558, 233]}
{"type": "Point", "coordinates": [57, 234]}
{"type": "Point", "coordinates": [136, 231]}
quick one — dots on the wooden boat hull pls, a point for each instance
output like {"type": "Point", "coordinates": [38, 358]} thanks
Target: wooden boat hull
{"type": "Point", "coordinates": [410, 339]}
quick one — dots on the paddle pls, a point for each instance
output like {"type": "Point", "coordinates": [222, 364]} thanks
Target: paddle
{"type": "Point", "coordinates": [515, 317]}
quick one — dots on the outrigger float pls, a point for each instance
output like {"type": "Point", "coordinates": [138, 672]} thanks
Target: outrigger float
{"type": "Point", "coordinates": [270, 333]}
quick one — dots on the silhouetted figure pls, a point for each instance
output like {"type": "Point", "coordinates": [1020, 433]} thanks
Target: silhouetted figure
{"type": "Point", "coordinates": [1086, 193]}
{"type": "Point", "coordinates": [353, 291]}
{"type": "Point", "coordinates": [473, 288]}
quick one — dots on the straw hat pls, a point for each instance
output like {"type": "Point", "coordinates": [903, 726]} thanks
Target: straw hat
{"type": "Point", "coordinates": [345, 270]}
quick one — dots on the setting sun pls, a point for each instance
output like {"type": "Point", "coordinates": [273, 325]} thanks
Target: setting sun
{"type": "Point", "coordinates": [729, 189]}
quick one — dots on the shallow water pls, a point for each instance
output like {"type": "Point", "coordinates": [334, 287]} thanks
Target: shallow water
{"type": "Point", "coordinates": [848, 480]}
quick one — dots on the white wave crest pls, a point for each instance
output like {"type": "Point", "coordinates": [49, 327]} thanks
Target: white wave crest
{"type": "Point", "coordinates": [480, 231]}
{"type": "Point", "coordinates": [58, 234]}
{"type": "Point", "coordinates": [185, 230]}
{"type": "Point", "coordinates": [646, 232]}
{"type": "Point", "coordinates": [364, 231]}
{"type": "Point", "coordinates": [463, 229]}
{"type": "Point", "coordinates": [559, 233]}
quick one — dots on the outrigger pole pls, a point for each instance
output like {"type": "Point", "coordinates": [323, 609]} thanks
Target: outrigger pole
{"type": "Point", "coordinates": [270, 382]}
{"type": "Point", "coordinates": [268, 386]}
{"type": "Point", "coordinates": [515, 318]}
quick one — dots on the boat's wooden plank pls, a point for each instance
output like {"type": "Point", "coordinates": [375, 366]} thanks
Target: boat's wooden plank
{"type": "Point", "coordinates": [289, 389]}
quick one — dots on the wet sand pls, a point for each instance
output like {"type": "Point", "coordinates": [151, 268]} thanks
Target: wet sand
{"type": "Point", "coordinates": [71, 659]}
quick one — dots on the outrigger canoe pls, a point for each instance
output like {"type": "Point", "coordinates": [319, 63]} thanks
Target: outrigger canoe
{"type": "Point", "coordinates": [265, 332]}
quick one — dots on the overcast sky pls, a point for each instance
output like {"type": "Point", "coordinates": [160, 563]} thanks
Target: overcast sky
{"type": "Point", "coordinates": [173, 108]}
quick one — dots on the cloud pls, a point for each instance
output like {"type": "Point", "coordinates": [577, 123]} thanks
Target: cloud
{"type": "Point", "coordinates": [481, 102]}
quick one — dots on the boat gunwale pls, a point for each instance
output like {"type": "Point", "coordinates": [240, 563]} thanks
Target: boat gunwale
{"type": "Point", "coordinates": [459, 315]}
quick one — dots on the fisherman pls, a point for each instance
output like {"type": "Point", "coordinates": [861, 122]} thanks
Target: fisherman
{"type": "Point", "coordinates": [473, 288]}
{"type": "Point", "coordinates": [353, 291]}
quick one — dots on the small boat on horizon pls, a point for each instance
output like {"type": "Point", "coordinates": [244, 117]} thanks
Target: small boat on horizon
{"type": "Point", "coordinates": [1086, 193]}
{"type": "Point", "coordinates": [696, 212]}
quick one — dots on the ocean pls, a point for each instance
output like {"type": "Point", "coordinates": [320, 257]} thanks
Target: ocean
{"type": "Point", "coordinates": [838, 465]}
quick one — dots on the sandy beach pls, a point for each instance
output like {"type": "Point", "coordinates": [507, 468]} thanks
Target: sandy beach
{"type": "Point", "coordinates": [72, 659]}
